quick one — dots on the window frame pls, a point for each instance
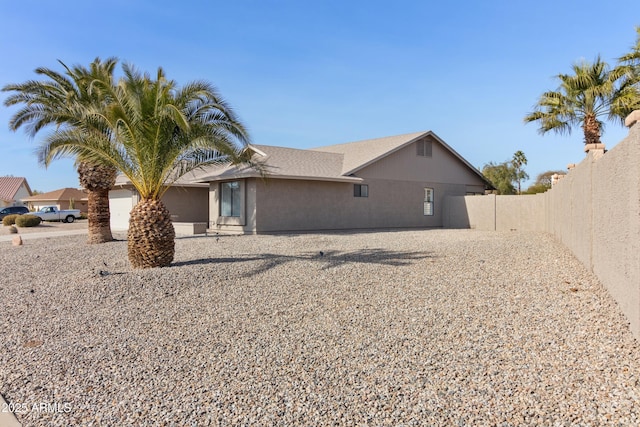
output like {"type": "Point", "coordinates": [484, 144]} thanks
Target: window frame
{"type": "Point", "coordinates": [428, 207]}
{"type": "Point", "coordinates": [357, 190]}
{"type": "Point", "coordinates": [234, 204]}
{"type": "Point", "coordinates": [240, 217]}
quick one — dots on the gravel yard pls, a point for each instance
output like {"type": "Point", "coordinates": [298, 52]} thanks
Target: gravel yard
{"type": "Point", "coordinates": [435, 327]}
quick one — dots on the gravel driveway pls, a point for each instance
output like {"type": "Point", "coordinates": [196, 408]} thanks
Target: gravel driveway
{"type": "Point", "coordinates": [436, 327]}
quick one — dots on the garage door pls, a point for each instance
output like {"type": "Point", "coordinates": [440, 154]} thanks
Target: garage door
{"type": "Point", "coordinates": [120, 205]}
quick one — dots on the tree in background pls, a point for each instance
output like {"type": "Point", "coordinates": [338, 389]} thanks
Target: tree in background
{"type": "Point", "coordinates": [154, 132]}
{"type": "Point", "coordinates": [518, 162]}
{"type": "Point", "coordinates": [504, 175]}
{"type": "Point", "coordinates": [501, 175]}
{"type": "Point", "coordinates": [543, 182]}
{"type": "Point", "coordinates": [63, 101]}
{"type": "Point", "coordinates": [592, 92]}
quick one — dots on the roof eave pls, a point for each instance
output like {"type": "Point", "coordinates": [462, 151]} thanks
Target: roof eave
{"type": "Point", "coordinates": [288, 177]}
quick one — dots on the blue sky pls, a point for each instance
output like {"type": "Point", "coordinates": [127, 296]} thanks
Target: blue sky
{"type": "Point", "coordinates": [305, 74]}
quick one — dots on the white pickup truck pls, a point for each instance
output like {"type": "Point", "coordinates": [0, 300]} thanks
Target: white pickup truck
{"type": "Point", "coordinates": [51, 213]}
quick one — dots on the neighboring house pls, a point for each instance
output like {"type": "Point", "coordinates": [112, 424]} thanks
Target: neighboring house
{"type": "Point", "coordinates": [13, 190]}
{"type": "Point", "coordinates": [393, 182]}
{"type": "Point", "coordinates": [63, 198]}
{"type": "Point", "coordinates": [188, 202]}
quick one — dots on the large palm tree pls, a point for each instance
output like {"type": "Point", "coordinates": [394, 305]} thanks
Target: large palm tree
{"type": "Point", "coordinates": [61, 101]}
{"type": "Point", "coordinates": [584, 98]}
{"type": "Point", "coordinates": [154, 132]}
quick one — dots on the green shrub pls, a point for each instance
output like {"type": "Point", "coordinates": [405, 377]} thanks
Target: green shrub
{"type": "Point", "coordinates": [28, 220]}
{"type": "Point", "coordinates": [9, 219]}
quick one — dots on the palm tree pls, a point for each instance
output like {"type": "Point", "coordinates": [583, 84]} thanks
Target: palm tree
{"type": "Point", "coordinates": [61, 101]}
{"type": "Point", "coordinates": [154, 132]}
{"type": "Point", "coordinates": [519, 160]}
{"type": "Point", "coordinates": [630, 64]}
{"type": "Point", "coordinates": [591, 93]}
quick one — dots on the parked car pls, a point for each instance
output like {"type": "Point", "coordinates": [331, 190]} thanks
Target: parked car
{"type": "Point", "coordinates": [13, 210]}
{"type": "Point", "coordinates": [52, 213]}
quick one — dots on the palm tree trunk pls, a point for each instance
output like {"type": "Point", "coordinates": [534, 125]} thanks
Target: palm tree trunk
{"type": "Point", "coordinates": [151, 237]}
{"type": "Point", "coordinates": [591, 129]}
{"type": "Point", "coordinates": [98, 180]}
{"type": "Point", "coordinates": [99, 217]}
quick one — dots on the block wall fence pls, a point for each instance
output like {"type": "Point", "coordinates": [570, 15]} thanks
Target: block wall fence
{"type": "Point", "coordinates": [594, 211]}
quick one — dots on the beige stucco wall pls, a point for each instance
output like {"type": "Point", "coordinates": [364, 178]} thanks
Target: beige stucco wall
{"type": "Point", "coordinates": [295, 205]}
{"type": "Point", "coordinates": [22, 193]}
{"type": "Point", "coordinates": [570, 219]}
{"type": "Point", "coordinates": [396, 186]}
{"type": "Point", "coordinates": [475, 212]}
{"type": "Point", "coordinates": [615, 251]}
{"type": "Point", "coordinates": [186, 204]}
{"type": "Point", "coordinates": [442, 167]}
{"type": "Point", "coordinates": [594, 210]}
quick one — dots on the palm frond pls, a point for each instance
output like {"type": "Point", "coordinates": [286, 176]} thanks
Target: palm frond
{"type": "Point", "coordinates": [591, 92]}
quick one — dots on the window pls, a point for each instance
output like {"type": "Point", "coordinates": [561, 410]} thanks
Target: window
{"type": "Point", "coordinates": [428, 201]}
{"type": "Point", "coordinates": [360, 190]}
{"type": "Point", "coordinates": [230, 202]}
{"type": "Point", "coordinates": [424, 148]}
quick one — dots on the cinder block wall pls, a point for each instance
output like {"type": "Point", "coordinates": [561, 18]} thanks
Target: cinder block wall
{"type": "Point", "coordinates": [594, 211]}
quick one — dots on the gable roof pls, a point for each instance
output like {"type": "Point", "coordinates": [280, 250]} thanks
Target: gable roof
{"type": "Point", "coordinates": [285, 163]}
{"type": "Point", "coordinates": [329, 163]}
{"type": "Point", "coordinates": [359, 154]}
{"type": "Point", "coordinates": [63, 194]}
{"type": "Point", "coordinates": [10, 185]}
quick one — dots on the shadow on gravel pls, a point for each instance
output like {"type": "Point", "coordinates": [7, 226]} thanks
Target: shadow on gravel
{"type": "Point", "coordinates": [328, 259]}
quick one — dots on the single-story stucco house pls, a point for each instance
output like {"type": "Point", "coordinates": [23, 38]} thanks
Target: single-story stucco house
{"type": "Point", "coordinates": [392, 182]}
{"type": "Point", "coordinates": [63, 198]}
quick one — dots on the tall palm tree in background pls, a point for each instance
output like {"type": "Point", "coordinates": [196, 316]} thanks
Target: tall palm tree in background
{"type": "Point", "coordinates": [154, 132]}
{"type": "Point", "coordinates": [61, 101]}
{"type": "Point", "coordinates": [584, 98]}
{"type": "Point", "coordinates": [519, 161]}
